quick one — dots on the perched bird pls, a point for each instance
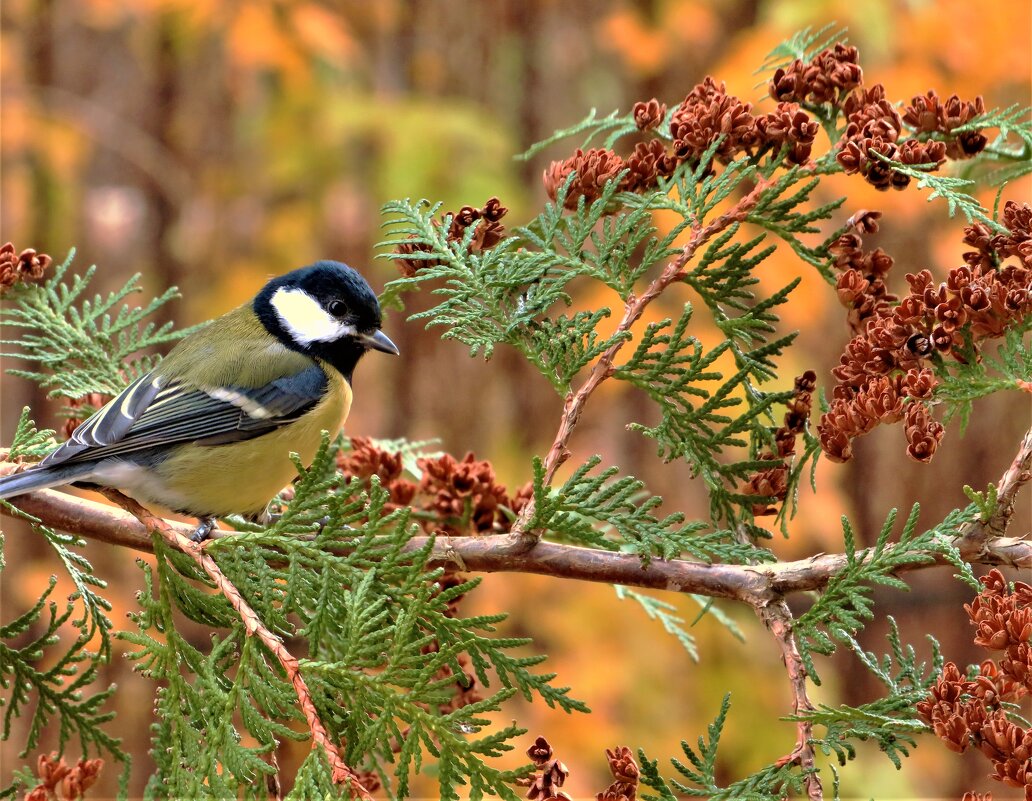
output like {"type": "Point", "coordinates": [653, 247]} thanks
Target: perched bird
{"type": "Point", "coordinates": [209, 431]}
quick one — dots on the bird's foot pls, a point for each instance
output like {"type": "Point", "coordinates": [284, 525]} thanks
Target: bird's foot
{"type": "Point", "coordinates": [207, 525]}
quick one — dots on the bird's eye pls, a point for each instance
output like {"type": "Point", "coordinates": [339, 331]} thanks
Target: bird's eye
{"type": "Point", "coordinates": [337, 308]}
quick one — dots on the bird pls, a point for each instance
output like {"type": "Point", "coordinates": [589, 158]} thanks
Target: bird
{"type": "Point", "coordinates": [209, 431]}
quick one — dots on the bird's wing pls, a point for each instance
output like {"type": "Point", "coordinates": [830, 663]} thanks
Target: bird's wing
{"type": "Point", "coordinates": [155, 411]}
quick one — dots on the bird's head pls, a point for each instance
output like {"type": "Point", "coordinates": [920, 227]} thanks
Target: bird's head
{"type": "Point", "coordinates": [327, 310]}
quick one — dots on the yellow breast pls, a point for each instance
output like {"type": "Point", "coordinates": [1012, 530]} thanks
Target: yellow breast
{"type": "Point", "coordinates": [242, 477]}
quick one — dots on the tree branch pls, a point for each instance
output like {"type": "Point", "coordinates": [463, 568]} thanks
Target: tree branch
{"type": "Point", "coordinates": [763, 587]}
{"type": "Point", "coordinates": [1015, 477]}
{"type": "Point", "coordinates": [500, 553]}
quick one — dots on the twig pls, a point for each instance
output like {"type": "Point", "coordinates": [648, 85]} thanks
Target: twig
{"type": "Point", "coordinates": [1017, 475]}
{"type": "Point", "coordinates": [273, 790]}
{"type": "Point", "coordinates": [778, 618]}
{"type": "Point", "coordinates": [342, 774]}
{"type": "Point", "coordinates": [573, 406]}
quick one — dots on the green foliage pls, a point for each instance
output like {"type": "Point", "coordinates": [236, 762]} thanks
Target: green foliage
{"type": "Point", "coordinates": [708, 606]}
{"type": "Point", "coordinates": [385, 653]}
{"type": "Point", "coordinates": [792, 219]}
{"type": "Point", "coordinates": [699, 769]}
{"type": "Point", "coordinates": [93, 622]}
{"type": "Point", "coordinates": [960, 384]}
{"type": "Point", "coordinates": [84, 345]}
{"type": "Point", "coordinates": [1014, 127]}
{"type": "Point", "coordinates": [28, 443]}
{"type": "Point", "coordinates": [984, 501]}
{"type": "Point", "coordinates": [663, 612]}
{"type": "Point", "coordinates": [703, 763]}
{"type": "Point", "coordinates": [510, 294]}
{"type": "Point", "coordinates": [952, 554]}
{"type": "Point", "coordinates": [674, 371]}
{"type": "Point", "coordinates": [595, 508]}
{"type": "Point", "coordinates": [562, 347]}
{"type": "Point", "coordinates": [803, 45]}
{"type": "Point", "coordinates": [889, 720]}
{"type": "Point", "coordinates": [614, 124]}
{"type": "Point", "coordinates": [64, 692]}
{"type": "Point", "coordinates": [845, 604]}
{"type": "Point", "coordinates": [949, 188]}
{"type": "Point", "coordinates": [1012, 121]}
{"type": "Point", "coordinates": [504, 295]}
{"type": "Point", "coordinates": [714, 407]}
{"type": "Point", "coordinates": [61, 692]}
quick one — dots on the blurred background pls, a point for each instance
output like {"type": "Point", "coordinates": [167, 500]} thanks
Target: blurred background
{"type": "Point", "coordinates": [210, 144]}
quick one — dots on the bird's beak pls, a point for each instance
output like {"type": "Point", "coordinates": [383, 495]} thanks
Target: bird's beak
{"type": "Point", "coordinates": [378, 340]}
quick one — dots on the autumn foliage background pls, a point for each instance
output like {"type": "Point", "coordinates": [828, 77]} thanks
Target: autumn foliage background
{"type": "Point", "coordinates": [212, 144]}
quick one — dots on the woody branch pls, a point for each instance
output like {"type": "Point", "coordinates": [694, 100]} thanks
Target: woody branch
{"type": "Point", "coordinates": [979, 543]}
{"type": "Point", "coordinates": [777, 617]}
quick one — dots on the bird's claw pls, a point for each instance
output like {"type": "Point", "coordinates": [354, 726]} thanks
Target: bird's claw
{"type": "Point", "coordinates": [207, 525]}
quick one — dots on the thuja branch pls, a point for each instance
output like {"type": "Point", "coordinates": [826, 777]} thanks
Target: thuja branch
{"type": "Point", "coordinates": [499, 554]}
{"type": "Point", "coordinates": [976, 543]}
{"type": "Point", "coordinates": [177, 538]}
{"type": "Point", "coordinates": [674, 271]}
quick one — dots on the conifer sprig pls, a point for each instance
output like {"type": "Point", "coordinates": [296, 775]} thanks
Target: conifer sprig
{"type": "Point", "coordinates": [949, 188]}
{"type": "Point", "coordinates": [84, 344]}
{"type": "Point", "coordinates": [697, 772]}
{"type": "Point", "coordinates": [803, 44]}
{"type": "Point", "coordinates": [371, 678]}
{"type": "Point", "coordinates": [845, 605]}
{"type": "Point", "coordinates": [61, 693]}
{"type": "Point", "coordinates": [1010, 368]}
{"type": "Point", "coordinates": [889, 721]}
{"type": "Point", "coordinates": [614, 124]}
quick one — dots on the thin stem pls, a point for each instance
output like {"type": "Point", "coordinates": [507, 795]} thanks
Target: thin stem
{"type": "Point", "coordinates": [1017, 475]}
{"type": "Point", "coordinates": [559, 452]}
{"type": "Point", "coordinates": [778, 619]}
{"type": "Point", "coordinates": [500, 553]}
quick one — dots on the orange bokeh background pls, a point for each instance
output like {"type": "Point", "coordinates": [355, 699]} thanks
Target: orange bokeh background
{"type": "Point", "coordinates": [210, 144]}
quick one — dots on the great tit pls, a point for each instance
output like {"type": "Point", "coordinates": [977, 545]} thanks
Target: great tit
{"type": "Point", "coordinates": [209, 431]}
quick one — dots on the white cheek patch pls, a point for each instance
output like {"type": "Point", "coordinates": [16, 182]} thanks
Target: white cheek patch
{"type": "Point", "coordinates": [305, 319]}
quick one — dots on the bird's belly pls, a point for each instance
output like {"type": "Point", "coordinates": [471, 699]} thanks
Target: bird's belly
{"type": "Point", "coordinates": [221, 480]}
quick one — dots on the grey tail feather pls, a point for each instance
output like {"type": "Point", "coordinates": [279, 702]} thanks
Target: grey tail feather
{"type": "Point", "coordinates": [36, 478]}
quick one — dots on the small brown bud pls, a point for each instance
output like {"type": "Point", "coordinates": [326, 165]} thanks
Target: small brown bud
{"type": "Point", "coordinates": [864, 221]}
{"type": "Point", "coordinates": [540, 752]}
{"type": "Point", "coordinates": [594, 169]}
{"type": "Point", "coordinates": [649, 114]}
